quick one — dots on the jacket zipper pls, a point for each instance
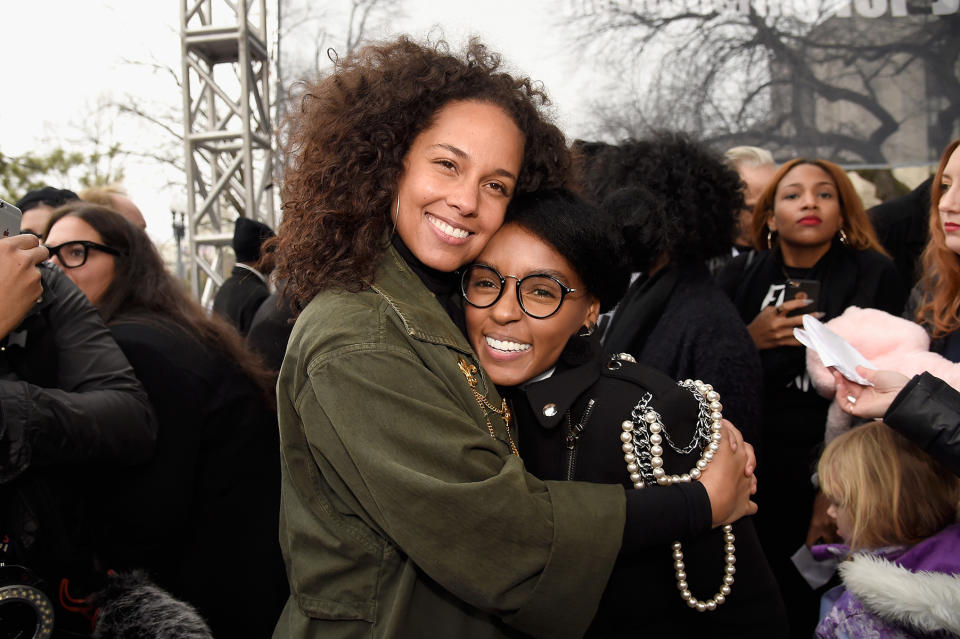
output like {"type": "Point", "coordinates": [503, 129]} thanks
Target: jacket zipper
{"type": "Point", "coordinates": [573, 437]}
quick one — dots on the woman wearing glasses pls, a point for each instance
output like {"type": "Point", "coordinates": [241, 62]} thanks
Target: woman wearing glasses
{"type": "Point", "coordinates": [201, 516]}
{"type": "Point", "coordinates": [533, 296]}
{"type": "Point", "coordinates": [406, 511]}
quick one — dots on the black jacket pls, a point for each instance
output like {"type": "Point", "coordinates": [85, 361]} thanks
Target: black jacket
{"type": "Point", "coordinates": [70, 409]}
{"type": "Point", "coordinates": [202, 516]}
{"type": "Point", "coordinates": [927, 411]}
{"type": "Point", "coordinates": [239, 298]}
{"type": "Point", "coordinates": [641, 596]}
{"type": "Point", "coordinates": [679, 322]}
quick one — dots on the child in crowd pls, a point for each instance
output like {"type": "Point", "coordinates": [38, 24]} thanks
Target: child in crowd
{"type": "Point", "coordinates": [896, 508]}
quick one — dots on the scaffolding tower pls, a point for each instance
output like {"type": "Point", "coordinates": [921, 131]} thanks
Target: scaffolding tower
{"type": "Point", "coordinates": [227, 132]}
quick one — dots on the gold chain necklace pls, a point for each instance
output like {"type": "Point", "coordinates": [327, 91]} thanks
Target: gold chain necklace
{"type": "Point", "coordinates": [470, 372]}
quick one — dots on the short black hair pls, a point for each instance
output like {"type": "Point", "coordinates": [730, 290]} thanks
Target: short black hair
{"type": "Point", "coordinates": [686, 201]}
{"type": "Point", "coordinates": [582, 233]}
{"type": "Point", "coordinates": [48, 195]}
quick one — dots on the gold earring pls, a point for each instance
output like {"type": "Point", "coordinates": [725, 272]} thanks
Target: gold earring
{"type": "Point", "coordinates": [769, 239]}
{"type": "Point", "coordinates": [396, 219]}
{"type": "Point", "coordinates": [843, 237]}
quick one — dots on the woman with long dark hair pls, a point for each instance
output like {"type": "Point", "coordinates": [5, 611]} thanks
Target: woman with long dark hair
{"type": "Point", "coordinates": [201, 516]}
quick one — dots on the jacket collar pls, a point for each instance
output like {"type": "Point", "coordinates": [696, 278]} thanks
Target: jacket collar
{"type": "Point", "coordinates": [921, 593]}
{"type": "Point", "coordinates": [422, 315]}
{"type": "Point", "coordinates": [577, 370]}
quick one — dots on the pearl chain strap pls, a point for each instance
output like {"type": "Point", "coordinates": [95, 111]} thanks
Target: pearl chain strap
{"type": "Point", "coordinates": [642, 439]}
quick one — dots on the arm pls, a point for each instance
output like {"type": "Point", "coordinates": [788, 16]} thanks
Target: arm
{"type": "Point", "coordinates": [98, 412]}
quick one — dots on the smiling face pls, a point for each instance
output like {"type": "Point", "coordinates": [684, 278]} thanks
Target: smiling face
{"type": "Point", "coordinates": [458, 177]}
{"type": "Point", "coordinates": [96, 274]}
{"type": "Point", "coordinates": [949, 204]}
{"type": "Point", "coordinates": [806, 209]}
{"type": "Point", "coordinates": [512, 346]}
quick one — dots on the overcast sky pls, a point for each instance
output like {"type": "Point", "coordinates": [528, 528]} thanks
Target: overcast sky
{"type": "Point", "coordinates": [62, 56]}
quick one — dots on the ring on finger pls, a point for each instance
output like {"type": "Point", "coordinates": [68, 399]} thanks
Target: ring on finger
{"type": "Point", "coordinates": [851, 399]}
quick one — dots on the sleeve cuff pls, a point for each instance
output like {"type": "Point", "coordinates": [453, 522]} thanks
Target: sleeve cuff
{"type": "Point", "coordinates": [681, 511]}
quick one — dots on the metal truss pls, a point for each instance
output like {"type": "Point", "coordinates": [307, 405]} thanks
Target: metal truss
{"type": "Point", "coordinates": [228, 140]}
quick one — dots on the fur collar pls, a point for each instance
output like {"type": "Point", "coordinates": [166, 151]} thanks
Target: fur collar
{"type": "Point", "coordinates": [927, 601]}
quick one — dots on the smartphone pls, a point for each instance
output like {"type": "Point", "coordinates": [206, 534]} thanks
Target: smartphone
{"type": "Point", "coordinates": [9, 219]}
{"type": "Point", "coordinates": [797, 289]}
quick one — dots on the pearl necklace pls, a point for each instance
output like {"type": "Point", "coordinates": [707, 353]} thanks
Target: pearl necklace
{"type": "Point", "coordinates": [641, 439]}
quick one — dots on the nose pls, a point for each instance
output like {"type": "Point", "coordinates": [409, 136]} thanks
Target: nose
{"type": "Point", "coordinates": [808, 199]}
{"type": "Point", "coordinates": [950, 200]}
{"type": "Point", "coordinates": [463, 196]}
{"type": "Point", "coordinates": [507, 309]}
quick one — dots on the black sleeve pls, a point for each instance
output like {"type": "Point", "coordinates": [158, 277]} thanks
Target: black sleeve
{"type": "Point", "coordinates": [98, 412]}
{"type": "Point", "coordinates": [927, 411]}
{"type": "Point", "coordinates": [662, 514]}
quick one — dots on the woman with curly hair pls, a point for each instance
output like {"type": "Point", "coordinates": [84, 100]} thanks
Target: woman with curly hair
{"type": "Point", "coordinates": [406, 510]}
{"type": "Point", "coordinates": [676, 201]}
{"type": "Point", "coordinates": [809, 224]}
{"type": "Point", "coordinates": [935, 302]}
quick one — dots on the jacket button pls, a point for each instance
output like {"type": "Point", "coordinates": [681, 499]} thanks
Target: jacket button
{"type": "Point", "coordinates": [550, 410]}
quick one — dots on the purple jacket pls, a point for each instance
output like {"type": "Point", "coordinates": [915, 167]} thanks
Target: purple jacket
{"type": "Point", "coordinates": [900, 592]}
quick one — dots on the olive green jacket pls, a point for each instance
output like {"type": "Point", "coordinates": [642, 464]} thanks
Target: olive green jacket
{"type": "Point", "coordinates": [401, 516]}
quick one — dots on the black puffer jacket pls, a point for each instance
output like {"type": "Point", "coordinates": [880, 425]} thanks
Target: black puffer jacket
{"type": "Point", "coordinates": [927, 411]}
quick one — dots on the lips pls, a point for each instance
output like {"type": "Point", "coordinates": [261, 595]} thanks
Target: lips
{"type": "Point", "coordinates": [448, 229]}
{"type": "Point", "coordinates": [810, 220]}
{"type": "Point", "coordinates": [950, 227]}
{"type": "Point", "coordinates": [506, 346]}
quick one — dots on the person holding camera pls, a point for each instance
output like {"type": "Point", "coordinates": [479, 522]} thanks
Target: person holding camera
{"type": "Point", "coordinates": [70, 406]}
{"type": "Point", "coordinates": [810, 227]}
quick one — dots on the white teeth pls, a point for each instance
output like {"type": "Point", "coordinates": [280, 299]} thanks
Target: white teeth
{"type": "Point", "coordinates": [446, 228]}
{"type": "Point", "coordinates": [509, 347]}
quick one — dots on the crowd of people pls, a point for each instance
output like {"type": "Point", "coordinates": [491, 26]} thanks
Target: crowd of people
{"type": "Point", "coordinates": [481, 382]}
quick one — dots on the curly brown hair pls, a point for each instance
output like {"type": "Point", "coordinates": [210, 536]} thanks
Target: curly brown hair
{"type": "Point", "coordinates": [346, 142]}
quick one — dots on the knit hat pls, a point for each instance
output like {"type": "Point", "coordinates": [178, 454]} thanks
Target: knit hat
{"type": "Point", "coordinates": [248, 236]}
{"type": "Point", "coordinates": [49, 195]}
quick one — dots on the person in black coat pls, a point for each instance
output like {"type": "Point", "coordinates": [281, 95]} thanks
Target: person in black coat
{"type": "Point", "coordinates": [678, 210]}
{"type": "Point", "coordinates": [534, 341]}
{"type": "Point", "coordinates": [70, 406]}
{"type": "Point", "coordinates": [245, 290]}
{"type": "Point", "coordinates": [201, 516]}
{"type": "Point", "coordinates": [902, 226]}
{"type": "Point", "coordinates": [813, 224]}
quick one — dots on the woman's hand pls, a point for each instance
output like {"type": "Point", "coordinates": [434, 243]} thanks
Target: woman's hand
{"type": "Point", "coordinates": [20, 286]}
{"type": "Point", "coordinates": [771, 327]}
{"type": "Point", "coordinates": [868, 401]}
{"type": "Point", "coordinates": [729, 478]}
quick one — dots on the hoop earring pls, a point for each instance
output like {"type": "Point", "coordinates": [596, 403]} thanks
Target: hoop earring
{"type": "Point", "coordinates": [843, 237]}
{"type": "Point", "coordinates": [396, 219]}
{"type": "Point", "coordinates": [769, 239]}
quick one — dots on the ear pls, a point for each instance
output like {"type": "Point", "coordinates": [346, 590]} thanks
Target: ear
{"type": "Point", "coordinates": [593, 312]}
{"type": "Point", "coordinates": [772, 222]}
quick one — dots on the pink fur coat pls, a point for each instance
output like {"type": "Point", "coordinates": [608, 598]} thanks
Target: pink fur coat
{"type": "Point", "coordinates": [890, 343]}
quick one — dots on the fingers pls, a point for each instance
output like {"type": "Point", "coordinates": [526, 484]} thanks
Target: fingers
{"type": "Point", "coordinates": [792, 305]}
{"type": "Point", "coordinates": [751, 464]}
{"type": "Point", "coordinates": [733, 435]}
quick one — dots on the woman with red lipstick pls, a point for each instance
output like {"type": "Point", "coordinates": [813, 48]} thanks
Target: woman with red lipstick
{"type": "Point", "coordinates": [533, 295]}
{"type": "Point", "coordinates": [406, 510]}
{"type": "Point", "coordinates": [935, 302]}
{"type": "Point", "coordinates": [809, 224]}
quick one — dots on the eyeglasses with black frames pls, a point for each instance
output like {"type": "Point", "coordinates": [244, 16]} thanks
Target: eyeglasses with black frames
{"type": "Point", "coordinates": [538, 294]}
{"type": "Point", "coordinates": [74, 254]}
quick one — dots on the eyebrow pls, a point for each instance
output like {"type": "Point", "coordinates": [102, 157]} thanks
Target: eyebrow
{"type": "Point", "coordinates": [460, 153]}
{"type": "Point", "coordinates": [798, 184]}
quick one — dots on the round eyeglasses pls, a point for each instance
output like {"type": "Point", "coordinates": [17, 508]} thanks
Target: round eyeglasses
{"type": "Point", "coordinates": [539, 295]}
{"type": "Point", "coordinates": [74, 254]}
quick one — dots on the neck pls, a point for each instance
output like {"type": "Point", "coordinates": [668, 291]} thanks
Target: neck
{"type": "Point", "coordinates": [802, 256]}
